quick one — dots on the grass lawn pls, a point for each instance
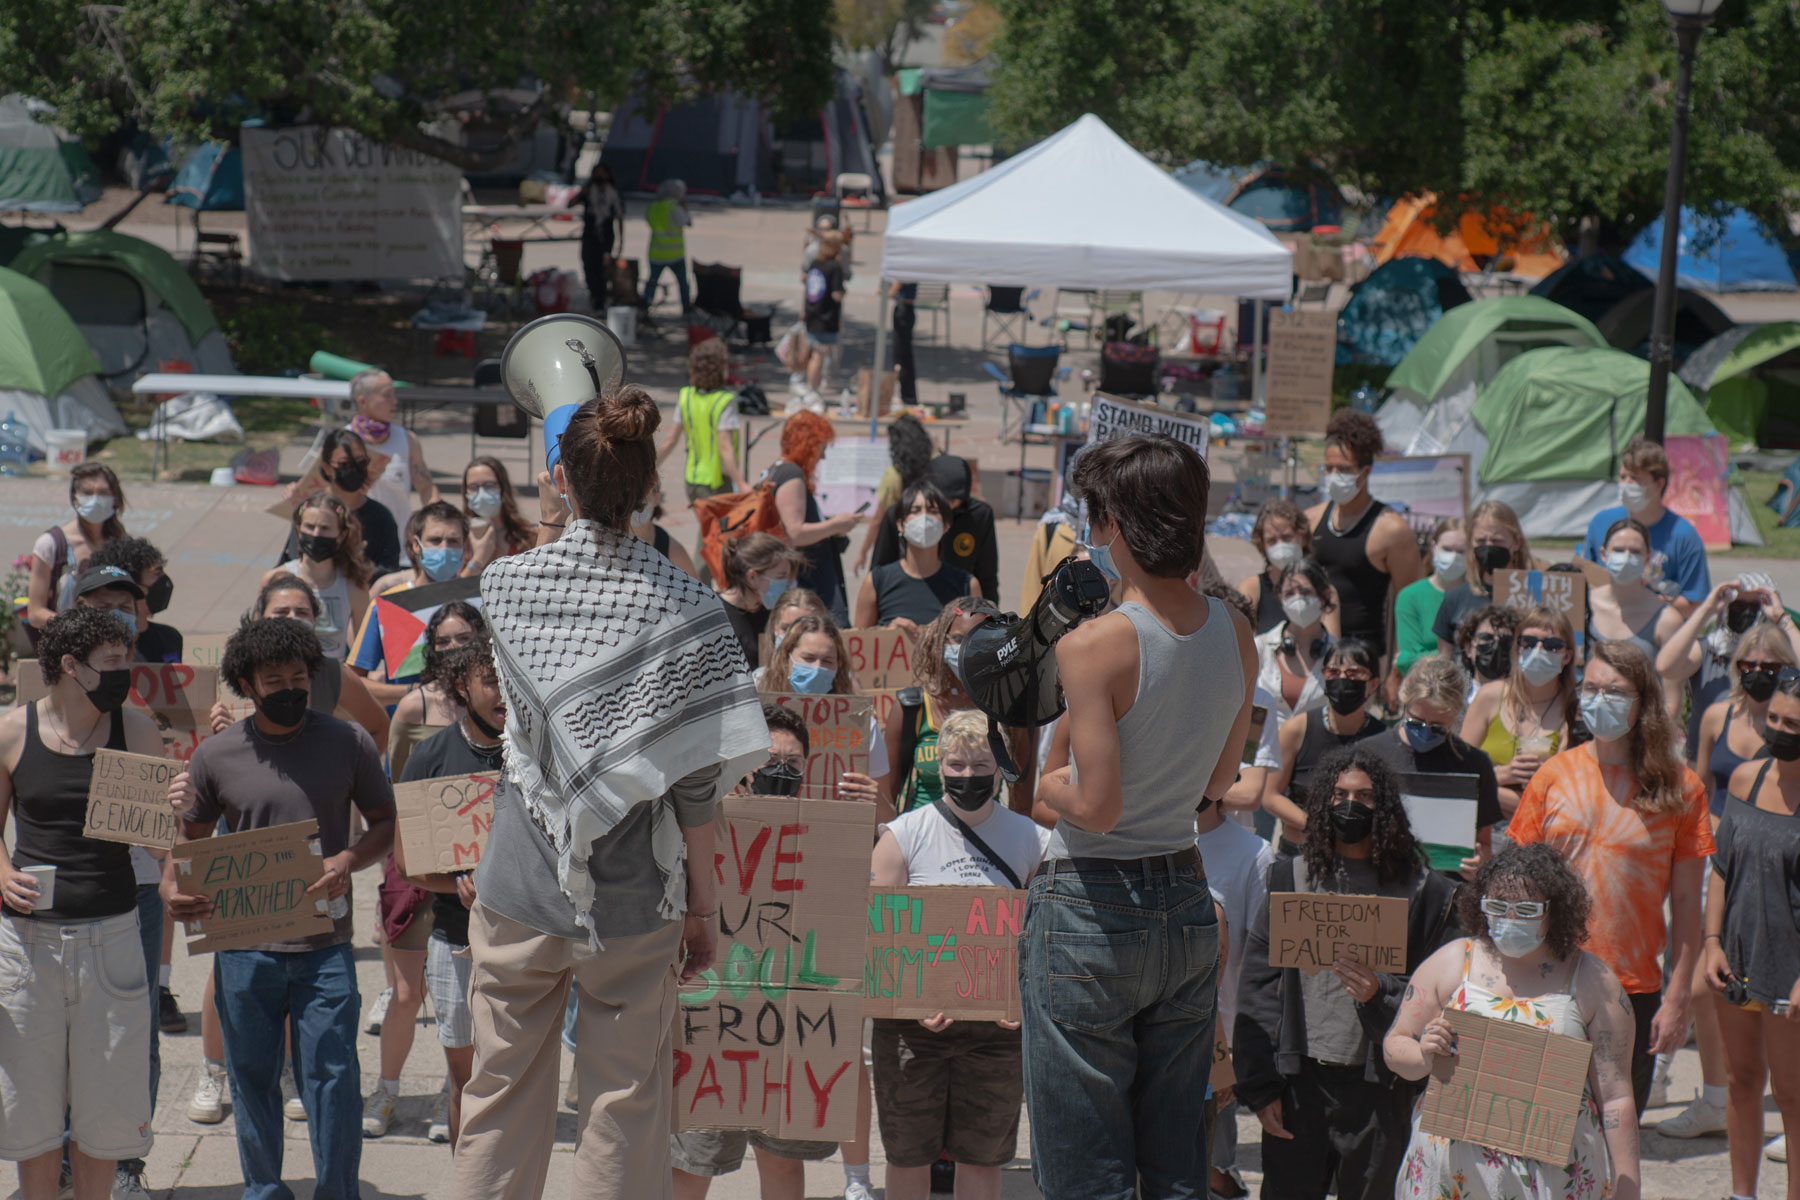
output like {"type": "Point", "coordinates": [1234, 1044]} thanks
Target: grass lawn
{"type": "Point", "coordinates": [268, 421]}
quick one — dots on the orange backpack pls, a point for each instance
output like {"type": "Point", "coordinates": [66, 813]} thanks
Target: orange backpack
{"type": "Point", "coordinates": [729, 517]}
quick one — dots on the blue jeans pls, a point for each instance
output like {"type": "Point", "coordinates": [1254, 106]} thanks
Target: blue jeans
{"type": "Point", "coordinates": [1118, 970]}
{"type": "Point", "coordinates": [679, 268]}
{"type": "Point", "coordinates": [261, 996]}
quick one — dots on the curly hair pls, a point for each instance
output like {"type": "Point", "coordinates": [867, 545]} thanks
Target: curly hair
{"type": "Point", "coordinates": [349, 559]}
{"type": "Point", "coordinates": [1502, 620]}
{"type": "Point", "coordinates": [1532, 871]}
{"type": "Point", "coordinates": [707, 365]}
{"type": "Point", "coordinates": [803, 441]}
{"type": "Point", "coordinates": [77, 632]}
{"type": "Point", "coordinates": [456, 667]}
{"type": "Point", "coordinates": [1393, 850]}
{"type": "Point", "coordinates": [909, 448]}
{"type": "Point", "coordinates": [433, 670]}
{"type": "Point", "coordinates": [267, 642]}
{"type": "Point", "coordinates": [930, 670]}
{"type": "Point", "coordinates": [279, 582]}
{"type": "Point", "coordinates": [1356, 434]}
{"type": "Point", "coordinates": [133, 555]}
{"type": "Point", "coordinates": [1278, 509]}
{"type": "Point", "coordinates": [781, 661]}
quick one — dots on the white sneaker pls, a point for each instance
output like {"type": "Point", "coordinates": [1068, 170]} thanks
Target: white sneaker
{"type": "Point", "coordinates": [439, 1130]}
{"type": "Point", "coordinates": [1776, 1151]}
{"type": "Point", "coordinates": [292, 1106]}
{"type": "Point", "coordinates": [378, 1112]}
{"type": "Point", "coordinates": [1698, 1119]}
{"type": "Point", "coordinates": [208, 1105]}
{"type": "Point", "coordinates": [857, 1190]}
{"type": "Point", "coordinates": [378, 1012]}
{"type": "Point", "coordinates": [1659, 1089]}
{"type": "Point", "coordinates": [129, 1185]}
{"type": "Point", "coordinates": [572, 1093]}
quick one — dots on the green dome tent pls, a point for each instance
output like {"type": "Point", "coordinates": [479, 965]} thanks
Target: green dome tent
{"type": "Point", "coordinates": [47, 370]}
{"type": "Point", "coordinates": [42, 169]}
{"type": "Point", "coordinates": [1750, 375]}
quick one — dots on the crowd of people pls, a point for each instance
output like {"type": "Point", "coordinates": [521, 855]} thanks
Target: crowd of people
{"type": "Point", "coordinates": [1622, 879]}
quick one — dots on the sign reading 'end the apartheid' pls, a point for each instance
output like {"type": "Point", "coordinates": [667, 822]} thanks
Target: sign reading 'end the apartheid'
{"type": "Point", "coordinates": [951, 950]}
{"type": "Point", "coordinates": [257, 883]}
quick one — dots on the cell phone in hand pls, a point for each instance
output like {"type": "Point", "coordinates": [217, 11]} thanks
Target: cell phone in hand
{"type": "Point", "coordinates": [863, 507]}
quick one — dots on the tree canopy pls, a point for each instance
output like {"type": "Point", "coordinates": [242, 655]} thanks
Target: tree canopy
{"type": "Point", "coordinates": [1559, 108]}
{"type": "Point", "coordinates": [384, 67]}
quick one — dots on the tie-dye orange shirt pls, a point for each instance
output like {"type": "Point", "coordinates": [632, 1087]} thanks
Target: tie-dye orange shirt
{"type": "Point", "coordinates": [1624, 855]}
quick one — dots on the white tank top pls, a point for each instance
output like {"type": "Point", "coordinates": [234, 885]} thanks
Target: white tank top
{"type": "Point", "coordinates": [937, 853]}
{"type": "Point", "coordinates": [333, 625]}
{"type": "Point", "coordinates": [393, 487]}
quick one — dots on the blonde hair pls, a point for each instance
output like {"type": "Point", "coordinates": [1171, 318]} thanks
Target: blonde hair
{"type": "Point", "coordinates": [1763, 637]}
{"type": "Point", "coordinates": [831, 244]}
{"type": "Point", "coordinates": [964, 729]}
{"type": "Point", "coordinates": [1437, 681]}
{"type": "Point", "coordinates": [1500, 514]}
{"type": "Point", "coordinates": [1445, 525]}
{"type": "Point", "coordinates": [781, 659]}
{"type": "Point", "coordinates": [1653, 736]}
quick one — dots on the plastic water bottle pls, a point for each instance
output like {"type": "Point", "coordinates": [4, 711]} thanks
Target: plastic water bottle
{"type": "Point", "coordinates": [339, 908]}
{"type": "Point", "coordinates": [15, 450]}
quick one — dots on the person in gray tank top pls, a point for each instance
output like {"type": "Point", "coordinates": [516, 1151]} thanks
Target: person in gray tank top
{"type": "Point", "coordinates": [1118, 959]}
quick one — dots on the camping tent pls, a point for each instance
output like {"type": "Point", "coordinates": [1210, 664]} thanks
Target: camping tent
{"type": "Point", "coordinates": [1390, 310]}
{"type": "Point", "coordinates": [1475, 241]}
{"type": "Point", "coordinates": [1728, 253]}
{"type": "Point", "coordinates": [1436, 384]}
{"type": "Point", "coordinates": [1592, 286]}
{"type": "Point", "coordinates": [1697, 321]}
{"type": "Point", "coordinates": [1129, 225]}
{"type": "Point", "coordinates": [1750, 375]}
{"type": "Point", "coordinates": [42, 169]}
{"type": "Point", "coordinates": [1283, 200]}
{"type": "Point", "coordinates": [47, 372]}
{"type": "Point", "coordinates": [954, 109]}
{"type": "Point", "coordinates": [210, 179]}
{"type": "Point", "coordinates": [135, 305]}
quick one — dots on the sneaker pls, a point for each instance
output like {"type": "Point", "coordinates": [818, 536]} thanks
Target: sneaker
{"type": "Point", "coordinates": [378, 1012]}
{"type": "Point", "coordinates": [572, 1093]}
{"type": "Point", "coordinates": [170, 1014]}
{"type": "Point", "coordinates": [1776, 1151]}
{"type": "Point", "coordinates": [128, 1184]}
{"type": "Point", "coordinates": [1659, 1089]}
{"type": "Point", "coordinates": [439, 1130]}
{"type": "Point", "coordinates": [292, 1107]}
{"type": "Point", "coordinates": [378, 1112]}
{"type": "Point", "coordinates": [856, 1189]}
{"type": "Point", "coordinates": [1698, 1119]}
{"type": "Point", "coordinates": [208, 1105]}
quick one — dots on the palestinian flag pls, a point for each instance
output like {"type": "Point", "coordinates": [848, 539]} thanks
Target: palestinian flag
{"type": "Point", "coordinates": [403, 616]}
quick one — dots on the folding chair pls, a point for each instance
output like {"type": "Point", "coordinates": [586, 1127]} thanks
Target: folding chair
{"type": "Point", "coordinates": [1127, 369]}
{"type": "Point", "coordinates": [1030, 381]}
{"type": "Point", "coordinates": [933, 298]}
{"type": "Point", "coordinates": [1006, 308]}
{"type": "Point", "coordinates": [716, 295]}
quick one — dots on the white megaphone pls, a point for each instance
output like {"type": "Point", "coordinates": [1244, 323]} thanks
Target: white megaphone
{"type": "Point", "coordinates": [554, 365]}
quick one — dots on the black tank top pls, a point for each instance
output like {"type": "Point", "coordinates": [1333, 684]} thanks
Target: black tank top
{"type": "Point", "coordinates": [1319, 741]}
{"type": "Point", "coordinates": [660, 540]}
{"type": "Point", "coordinates": [50, 796]}
{"type": "Point", "coordinates": [1269, 612]}
{"type": "Point", "coordinates": [1362, 587]}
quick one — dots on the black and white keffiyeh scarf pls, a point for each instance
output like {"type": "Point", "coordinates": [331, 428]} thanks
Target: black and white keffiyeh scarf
{"type": "Point", "coordinates": [621, 676]}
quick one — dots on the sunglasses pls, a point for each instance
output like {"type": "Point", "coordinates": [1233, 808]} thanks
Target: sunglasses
{"type": "Point", "coordinates": [1529, 909]}
{"type": "Point", "coordinates": [1532, 641]}
{"type": "Point", "coordinates": [1430, 727]}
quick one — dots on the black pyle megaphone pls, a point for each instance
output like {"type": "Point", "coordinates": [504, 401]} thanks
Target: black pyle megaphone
{"type": "Point", "coordinates": [554, 365]}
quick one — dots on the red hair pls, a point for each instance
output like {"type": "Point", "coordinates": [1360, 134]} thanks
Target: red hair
{"type": "Point", "coordinates": [803, 440]}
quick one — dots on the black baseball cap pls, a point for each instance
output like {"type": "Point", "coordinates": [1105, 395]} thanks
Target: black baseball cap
{"type": "Point", "coordinates": [95, 578]}
{"type": "Point", "coordinates": [950, 475]}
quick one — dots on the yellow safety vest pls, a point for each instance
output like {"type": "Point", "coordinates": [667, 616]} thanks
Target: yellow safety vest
{"type": "Point", "coordinates": [700, 413]}
{"type": "Point", "coordinates": [667, 242]}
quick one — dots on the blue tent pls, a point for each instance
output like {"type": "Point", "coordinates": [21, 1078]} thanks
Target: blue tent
{"type": "Point", "coordinates": [1281, 200]}
{"type": "Point", "coordinates": [1728, 253]}
{"type": "Point", "coordinates": [211, 179]}
{"type": "Point", "coordinates": [1391, 310]}
{"type": "Point", "coordinates": [1592, 286]}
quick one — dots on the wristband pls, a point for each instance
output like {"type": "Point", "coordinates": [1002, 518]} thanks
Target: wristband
{"type": "Point", "coordinates": [1713, 937]}
{"type": "Point", "coordinates": [703, 915]}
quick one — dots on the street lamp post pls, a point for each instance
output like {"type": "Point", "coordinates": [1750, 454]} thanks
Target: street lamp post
{"type": "Point", "coordinates": [1688, 17]}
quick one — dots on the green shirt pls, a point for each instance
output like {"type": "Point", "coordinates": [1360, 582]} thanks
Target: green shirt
{"type": "Point", "coordinates": [1415, 608]}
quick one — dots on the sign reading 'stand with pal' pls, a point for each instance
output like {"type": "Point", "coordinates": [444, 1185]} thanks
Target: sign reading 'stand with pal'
{"type": "Point", "coordinates": [1110, 417]}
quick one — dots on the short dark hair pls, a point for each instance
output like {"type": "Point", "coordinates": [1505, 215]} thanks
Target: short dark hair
{"type": "Point", "coordinates": [434, 668]}
{"type": "Point", "coordinates": [134, 555]}
{"type": "Point", "coordinates": [1155, 490]}
{"type": "Point", "coordinates": [266, 642]}
{"type": "Point", "coordinates": [77, 631]}
{"type": "Point", "coordinates": [1503, 619]}
{"type": "Point", "coordinates": [456, 667]}
{"type": "Point", "coordinates": [786, 720]}
{"type": "Point", "coordinates": [1356, 434]}
{"type": "Point", "coordinates": [910, 494]}
{"type": "Point", "coordinates": [342, 438]}
{"type": "Point", "coordinates": [1351, 652]}
{"type": "Point", "coordinates": [437, 510]}
{"type": "Point", "coordinates": [283, 581]}
{"type": "Point", "coordinates": [1542, 871]}
{"type": "Point", "coordinates": [1310, 570]}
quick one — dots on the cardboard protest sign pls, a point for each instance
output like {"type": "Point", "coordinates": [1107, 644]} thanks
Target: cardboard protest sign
{"type": "Point", "coordinates": [1564, 591]}
{"type": "Point", "coordinates": [840, 734]}
{"type": "Point", "coordinates": [257, 881]}
{"type": "Point", "coordinates": [128, 800]}
{"type": "Point", "coordinates": [1311, 930]}
{"type": "Point", "coordinates": [443, 823]}
{"type": "Point", "coordinates": [951, 950]}
{"type": "Point", "coordinates": [1112, 417]}
{"type": "Point", "coordinates": [1441, 810]}
{"type": "Point", "coordinates": [785, 1064]}
{"type": "Point", "coordinates": [1510, 1086]}
{"type": "Point", "coordinates": [881, 658]}
{"type": "Point", "coordinates": [177, 696]}
{"type": "Point", "coordinates": [1223, 1074]}
{"type": "Point", "coordinates": [1297, 382]}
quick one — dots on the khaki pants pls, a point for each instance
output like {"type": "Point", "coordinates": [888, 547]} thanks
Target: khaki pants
{"type": "Point", "coordinates": [520, 981]}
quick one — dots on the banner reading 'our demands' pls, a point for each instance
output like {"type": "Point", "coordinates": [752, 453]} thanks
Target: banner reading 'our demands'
{"type": "Point", "coordinates": [328, 204]}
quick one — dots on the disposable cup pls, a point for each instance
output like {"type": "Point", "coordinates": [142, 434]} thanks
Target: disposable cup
{"type": "Point", "coordinates": [46, 882]}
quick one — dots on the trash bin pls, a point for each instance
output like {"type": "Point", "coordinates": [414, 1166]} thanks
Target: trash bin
{"type": "Point", "coordinates": [622, 320]}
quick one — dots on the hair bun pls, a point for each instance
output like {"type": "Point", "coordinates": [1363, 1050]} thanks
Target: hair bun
{"type": "Point", "coordinates": [628, 414]}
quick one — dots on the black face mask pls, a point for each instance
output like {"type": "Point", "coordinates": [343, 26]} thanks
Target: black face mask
{"type": "Point", "coordinates": [318, 548]}
{"type": "Point", "coordinates": [109, 694]}
{"type": "Point", "coordinates": [486, 729]}
{"type": "Point", "coordinates": [285, 708]}
{"type": "Point", "coordinates": [1345, 695]}
{"type": "Point", "coordinates": [1352, 822]}
{"type": "Point", "coordinates": [351, 476]}
{"type": "Point", "coordinates": [1758, 685]}
{"type": "Point", "coordinates": [157, 594]}
{"type": "Point", "coordinates": [1492, 558]}
{"type": "Point", "coordinates": [1493, 660]}
{"type": "Point", "coordinates": [776, 779]}
{"type": "Point", "coordinates": [1783, 744]}
{"type": "Point", "coordinates": [969, 792]}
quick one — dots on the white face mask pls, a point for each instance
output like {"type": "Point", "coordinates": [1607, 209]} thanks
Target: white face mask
{"type": "Point", "coordinates": [94, 509]}
{"type": "Point", "coordinates": [1608, 718]}
{"type": "Point", "coordinates": [1624, 566]}
{"type": "Point", "coordinates": [1539, 666]}
{"type": "Point", "coordinates": [1282, 555]}
{"type": "Point", "coordinates": [923, 529]}
{"type": "Point", "coordinates": [484, 502]}
{"type": "Point", "coordinates": [1340, 487]}
{"type": "Point", "coordinates": [1449, 564]}
{"type": "Point", "coordinates": [1634, 496]}
{"type": "Point", "coordinates": [1302, 611]}
{"type": "Point", "coordinates": [644, 515]}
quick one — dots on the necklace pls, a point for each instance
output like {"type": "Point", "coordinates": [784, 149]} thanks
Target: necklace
{"type": "Point", "coordinates": [62, 734]}
{"type": "Point", "coordinates": [480, 749]}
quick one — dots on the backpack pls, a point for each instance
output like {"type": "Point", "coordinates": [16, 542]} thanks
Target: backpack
{"type": "Point", "coordinates": [734, 515]}
{"type": "Point", "coordinates": [752, 401]}
{"type": "Point", "coordinates": [59, 567]}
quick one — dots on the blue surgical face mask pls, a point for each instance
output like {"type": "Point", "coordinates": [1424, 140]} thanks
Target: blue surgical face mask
{"type": "Point", "coordinates": [772, 592]}
{"type": "Point", "coordinates": [810, 679]}
{"type": "Point", "coordinates": [127, 618]}
{"type": "Point", "coordinates": [1420, 736]}
{"type": "Point", "coordinates": [1101, 556]}
{"type": "Point", "coordinates": [1608, 718]}
{"type": "Point", "coordinates": [441, 562]}
{"type": "Point", "coordinates": [1515, 937]}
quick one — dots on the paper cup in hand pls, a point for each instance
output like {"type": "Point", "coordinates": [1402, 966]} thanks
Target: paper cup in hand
{"type": "Point", "coordinates": [45, 878]}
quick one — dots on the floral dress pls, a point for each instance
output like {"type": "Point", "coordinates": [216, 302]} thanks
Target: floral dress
{"type": "Point", "coordinates": [1441, 1168]}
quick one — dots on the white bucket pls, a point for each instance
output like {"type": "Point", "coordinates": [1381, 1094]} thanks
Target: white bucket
{"type": "Point", "coordinates": [622, 320]}
{"type": "Point", "coordinates": [65, 449]}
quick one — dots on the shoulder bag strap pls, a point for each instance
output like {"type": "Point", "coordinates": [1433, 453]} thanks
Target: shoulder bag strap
{"type": "Point", "coordinates": [974, 839]}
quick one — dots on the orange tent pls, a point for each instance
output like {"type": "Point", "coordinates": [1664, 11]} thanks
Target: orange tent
{"type": "Point", "coordinates": [1475, 239]}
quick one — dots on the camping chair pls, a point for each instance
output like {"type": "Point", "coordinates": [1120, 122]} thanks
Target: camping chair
{"type": "Point", "coordinates": [1006, 307]}
{"type": "Point", "coordinates": [716, 295]}
{"type": "Point", "coordinates": [501, 419]}
{"type": "Point", "coordinates": [861, 186]}
{"type": "Point", "coordinates": [1127, 369]}
{"type": "Point", "coordinates": [1107, 303]}
{"type": "Point", "coordinates": [933, 298]}
{"type": "Point", "coordinates": [1031, 382]}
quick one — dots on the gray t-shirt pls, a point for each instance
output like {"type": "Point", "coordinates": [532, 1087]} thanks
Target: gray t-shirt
{"type": "Point", "coordinates": [255, 781]}
{"type": "Point", "coordinates": [1334, 1033]}
{"type": "Point", "coordinates": [517, 875]}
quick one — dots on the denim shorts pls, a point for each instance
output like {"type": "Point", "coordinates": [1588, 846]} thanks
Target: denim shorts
{"type": "Point", "coordinates": [821, 339]}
